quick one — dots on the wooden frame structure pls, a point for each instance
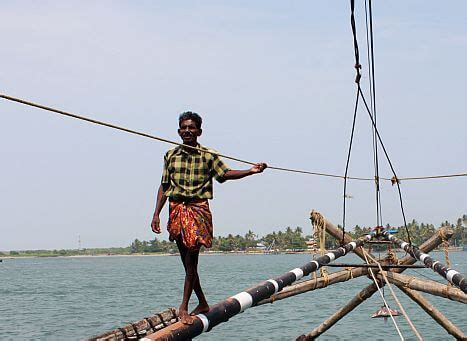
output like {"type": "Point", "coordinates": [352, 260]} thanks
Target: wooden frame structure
{"type": "Point", "coordinates": [284, 286]}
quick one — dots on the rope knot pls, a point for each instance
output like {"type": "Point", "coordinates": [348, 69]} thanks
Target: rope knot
{"type": "Point", "coordinates": [395, 180]}
{"type": "Point", "coordinates": [359, 75]}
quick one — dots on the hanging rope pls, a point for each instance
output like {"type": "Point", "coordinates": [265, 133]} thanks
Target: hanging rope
{"type": "Point", "coordinates": [372, 114]}
{"type": "Point", "coordinates": [409, 321]}
{"type": "Point", "coordinates": [382, 297]}
{"type": "Point", "coordinates": [446, 250]}
{"type": "Point", "coordinates": [319, 232]}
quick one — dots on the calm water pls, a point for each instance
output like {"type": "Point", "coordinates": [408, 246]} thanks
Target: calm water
{"type": "Point", "coordinates": [75, 298]}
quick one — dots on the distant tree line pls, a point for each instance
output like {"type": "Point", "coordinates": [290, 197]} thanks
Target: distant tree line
{"type": "Point", "coordinates": [295, 239]}
{"type": "Point", "coordinates": [289, 239]}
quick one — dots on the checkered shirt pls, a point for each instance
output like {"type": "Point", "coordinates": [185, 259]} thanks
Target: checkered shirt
{"type": "Point", "coordinates": [189, 173]}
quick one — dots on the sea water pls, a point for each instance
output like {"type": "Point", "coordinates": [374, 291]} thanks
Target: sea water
{"type": "Point", "coordinates": [76, 298]}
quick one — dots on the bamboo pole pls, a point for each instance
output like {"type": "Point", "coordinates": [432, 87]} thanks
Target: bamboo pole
{"type": "Point", "coordinates": [433, 312]}
{"type": "Point", "coordinates": [314, 284]}
{"type": "Point", "coordinates": [354, 303]}
{"type": "Point", "coordinates": [427, 246]}
{"type": "Point", "coordinates": [426, 285]}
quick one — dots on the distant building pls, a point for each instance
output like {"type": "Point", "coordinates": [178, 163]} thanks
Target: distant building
{"type": "Point", "coordinates": [311, 244]}
{"type": "Point", "coordinates": [260, 246]}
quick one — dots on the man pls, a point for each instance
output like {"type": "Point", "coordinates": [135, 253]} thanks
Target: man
{"type": "Point", "coordinates": [187, 182]}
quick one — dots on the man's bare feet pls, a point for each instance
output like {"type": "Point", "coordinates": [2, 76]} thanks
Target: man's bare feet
{"type": "Point", "coordinates": [185, 317]}
{"type": "Point", "coordinates": [200, 309]}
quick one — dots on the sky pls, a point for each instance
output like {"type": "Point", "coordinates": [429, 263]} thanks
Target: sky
{"type": "Point", "coordinates": [273, 81]}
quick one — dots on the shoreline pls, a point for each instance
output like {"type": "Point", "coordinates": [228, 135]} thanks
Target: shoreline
{"type": "Point", "coordinates": [209, 253]}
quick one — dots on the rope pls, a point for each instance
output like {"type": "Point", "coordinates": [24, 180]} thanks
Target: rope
{"type": "Point", "coordinates": [445, 249]}
{"type": "Point", "coordinates": [130, 131]}
{"type": "Point", "coordinates": [382, 296]}
{"type": "Point", "coordinates": [392, 293]}
{"type": "Point", "coordinates": [350, 148]}
{"type": "Point", "coordinates": [319, 232]}
{"type": "Point", "coordinates": [389, 162]}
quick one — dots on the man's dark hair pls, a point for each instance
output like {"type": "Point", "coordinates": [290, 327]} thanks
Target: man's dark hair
{"type": "Point", "coordinates": [188, 115]}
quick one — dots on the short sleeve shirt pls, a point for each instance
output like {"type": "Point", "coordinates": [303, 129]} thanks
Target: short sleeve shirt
{"type": "Point", "coordinates": [189, 173]}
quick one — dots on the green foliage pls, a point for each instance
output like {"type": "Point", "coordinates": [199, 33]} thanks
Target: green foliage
{"type": "Point", "coordinates": [290, 239]}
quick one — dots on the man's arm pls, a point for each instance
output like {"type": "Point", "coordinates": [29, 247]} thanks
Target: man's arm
{"type": "Point", "coordinates": [233, 174]}
{"type": "Point", "coordinates": [161, 199]}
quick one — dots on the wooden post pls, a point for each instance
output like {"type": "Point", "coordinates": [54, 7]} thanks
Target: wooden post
{"type": "Point", "coordinates": [426, 285]}
{"type": "Point", "coordinates": [433, 312]}
{"type": "Point", "coordinates": [318, 283]}
{"type": "Point", "coordinates": [354, 303]}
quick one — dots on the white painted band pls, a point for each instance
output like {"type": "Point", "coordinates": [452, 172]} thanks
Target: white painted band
{"type": "Point", "coordinates": [343, 250]}
{"type": "Point", "coordinates": [276, 285]}
{"type": "Point", "coordinates": [433, 265]}
{"type": "Point", "coordinates": [404, 244]}
{"type": "Point", "coordinates": [451, 274]}
{"type": "Point", "coordinates": [244, 299]}
{"type": "Point", "coordinates": [145, 339]}
{"type": "Point", "coordinates": [331, 256]}
{"type": "Point", "coordinates": [298, 273]}
{"type": "Point", "coordinates": [205, 321]}
{"type": "Point", "coordinates": [423, 257]}
{"type": "Point", "coordinates": [354, 245]}
{"type": "Point", "coordinates": [368, 237]}
{"type": "Point", "coordinates": [317, 264]}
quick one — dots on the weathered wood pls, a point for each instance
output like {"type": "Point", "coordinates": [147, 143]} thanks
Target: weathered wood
{"type": "Point", "coordinates": [427, 246]}
{"type": "Point", "coordinates": [426, 285]}
{"type": "Point", "coordinates": [336, 232]}
{"type": "Point", "coordinates": [433, 312]}
{"type": "Point", "coordinates": [140, 328]}
{"type": "Point", "coordinates": [314, 284]}
{"type": "Point", "coordinates": [354, 303]}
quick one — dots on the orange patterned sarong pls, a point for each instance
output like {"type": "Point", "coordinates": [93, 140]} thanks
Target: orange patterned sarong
{"type": "Point", "coordinates": [192, 222]}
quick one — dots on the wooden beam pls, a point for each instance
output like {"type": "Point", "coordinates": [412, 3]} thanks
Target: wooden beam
{"type": "Point", "coordinates": [433, 312]}
{"type": "Point", "coordinates": [453, 276]}
{"type": "Point", "coordinates": [140, 328]}
{"type": "Point", "coordinates": [432, 243]}
{"type": "Point", "coordinates": [224, 310]}
{"type": "Point", "coordinates": [318, 283]}
{"type": "Point", "coordinates": [336, 232]}
{"type": "Point", "coordinates": [354, 303]}
{"type": "Point", "coordinates": [426, 285]}
{"type": "Point", "coordinates": [427, 246]}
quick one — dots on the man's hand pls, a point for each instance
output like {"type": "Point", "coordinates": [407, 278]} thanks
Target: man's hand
{"type": "Point", "coordinates": [258, 168]}
{"type": "Point", "coordinates": [155, 224]}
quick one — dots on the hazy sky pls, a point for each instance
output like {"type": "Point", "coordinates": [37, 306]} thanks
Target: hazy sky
{"type": "Point", "coordinates": [274, 82]}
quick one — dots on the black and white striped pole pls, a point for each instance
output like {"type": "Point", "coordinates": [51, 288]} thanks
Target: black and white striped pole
{"type": "Point", "coordinates": [451, 275]}
{"type": "Point", "coordinates": [223, 311]}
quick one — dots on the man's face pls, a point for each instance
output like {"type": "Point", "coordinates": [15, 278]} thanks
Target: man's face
{"type": "Point", "coordinates": [189, 132]}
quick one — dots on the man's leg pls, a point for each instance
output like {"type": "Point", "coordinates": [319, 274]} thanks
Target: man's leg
{"type": "Point", "coordinates": [203, 306]}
